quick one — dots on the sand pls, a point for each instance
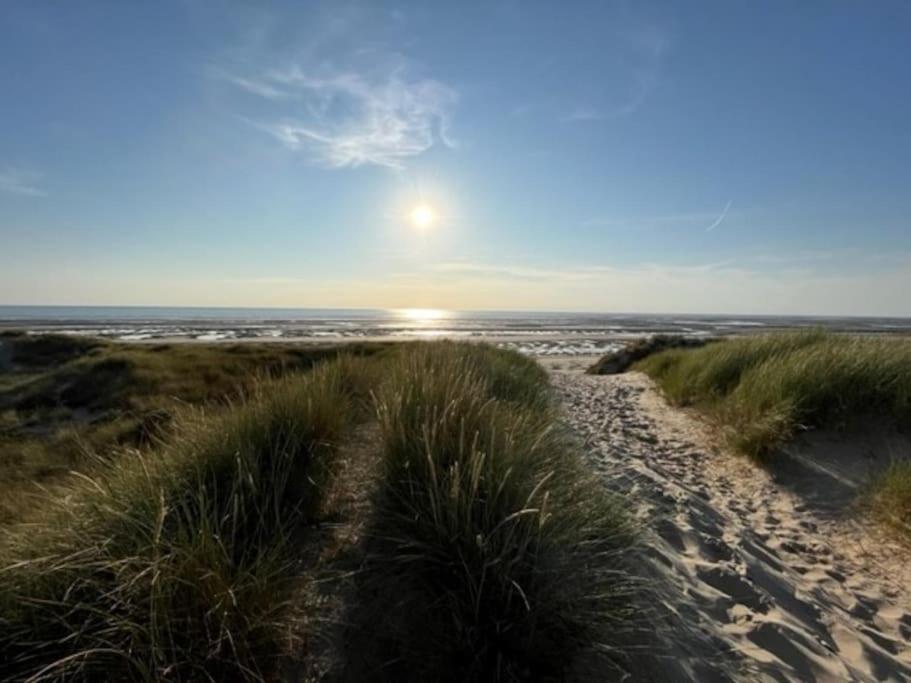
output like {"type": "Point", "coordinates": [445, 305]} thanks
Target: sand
{"type": "Point", "coordinates": [755, 575]}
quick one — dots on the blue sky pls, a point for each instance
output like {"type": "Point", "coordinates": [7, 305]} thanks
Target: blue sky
{"type": "Point", "coordinates": [633, 156]}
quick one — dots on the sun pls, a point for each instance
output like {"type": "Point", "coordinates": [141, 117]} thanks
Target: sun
{"type": "Point", "coordinates": [422, 216]}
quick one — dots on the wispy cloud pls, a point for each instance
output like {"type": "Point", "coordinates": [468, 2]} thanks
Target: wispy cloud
{"type": "Point", "coordinates": [257, 87]}
{"type": "Point", "coordinates": [724, 286]}
{"type": "Point", "coordinates": [567, 274]}
{"type": "Point", "coordinates": [694, 219]}
{"type": "Point", "coordinates": [20, 181]}
{"type": "Point", "coordinates": [718, 221]}
{"type": "Point", "coordinates": [584, 114]}
{"type": "Point", "coordinates": [644, 49]}
{"type": "Point", "coordinates": [348, 118]}
{"type": "Point", "coordinates": [649, 45]}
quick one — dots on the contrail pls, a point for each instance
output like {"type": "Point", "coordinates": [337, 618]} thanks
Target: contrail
{"type": "Point", "coordinates": [720, 218]}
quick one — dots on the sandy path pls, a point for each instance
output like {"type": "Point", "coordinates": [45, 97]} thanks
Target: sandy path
{"type": "Point", "coordinates": [756, 579]}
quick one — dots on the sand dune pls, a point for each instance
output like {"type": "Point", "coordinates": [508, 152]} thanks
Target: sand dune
{"type": "Point", "coordinates": [757, 577]}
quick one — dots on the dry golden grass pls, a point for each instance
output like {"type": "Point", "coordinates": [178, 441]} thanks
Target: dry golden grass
{"type": "Point", "coordinates": [67, 401]}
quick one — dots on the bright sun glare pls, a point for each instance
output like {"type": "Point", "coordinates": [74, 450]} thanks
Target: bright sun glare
{"type": "Point", "coordinates": [422, 216]}
{"type": "Point", "coordinates": [422, 314]}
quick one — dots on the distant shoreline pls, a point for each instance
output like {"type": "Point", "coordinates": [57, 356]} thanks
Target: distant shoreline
{"type": "Point", "coordinates": [537, 338]}
{"type": "Point", "coordinates": [534, 334]}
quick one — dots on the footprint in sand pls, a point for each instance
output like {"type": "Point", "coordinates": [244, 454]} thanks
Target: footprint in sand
{"type": "Point", "coordinates": [748, 581]}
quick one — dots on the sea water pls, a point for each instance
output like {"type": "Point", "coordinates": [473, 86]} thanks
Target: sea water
{"type": "Point", "coordinates": [539, 333]}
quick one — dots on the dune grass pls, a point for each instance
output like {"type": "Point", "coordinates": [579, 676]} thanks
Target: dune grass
{"type": "Point", "coordinates": [493, 553]}
{"type": "Point", "coordinates": [63, 397]}
{"type": "Point", "coordinates": [490, 552]}
{"type": "Point", "coordinates": [176, 563]}
{"type": "Point", "coordinates": [890, 496]}
{"type": "Point", "coordinates": [762, 391]}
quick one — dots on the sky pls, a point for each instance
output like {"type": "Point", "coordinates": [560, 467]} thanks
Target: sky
{"type": "Point", "coordinates": [702, 157]}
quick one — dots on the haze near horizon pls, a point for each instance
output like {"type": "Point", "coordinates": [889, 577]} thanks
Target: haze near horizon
{"type": "Point", "coordinates": [619, 157]}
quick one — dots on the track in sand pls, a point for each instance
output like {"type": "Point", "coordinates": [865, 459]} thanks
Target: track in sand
{"type": "Point", "coordinates": [757, 575]}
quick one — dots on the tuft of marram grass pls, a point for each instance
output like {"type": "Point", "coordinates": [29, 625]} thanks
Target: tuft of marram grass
{"type": "Point", "coordinates": [891, 496]}
{"type": "Point", "coordinates": [62, 396]}
{"type": "Point", "coordinates": [765, 389]}
{"type": "Point", "coordinates": [493, 553]}
{"type": "Point", "coordinates": [176, 565]}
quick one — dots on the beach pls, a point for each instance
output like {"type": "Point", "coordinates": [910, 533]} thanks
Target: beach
{"type": "Point", "coordinates": [538, 334]}
{"type": "Point", "coordinates": [494, 342]}
{"type": "Point", "coordinates": [761, 573]}
{"type": "Point", "coordinates": [722, 567]}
